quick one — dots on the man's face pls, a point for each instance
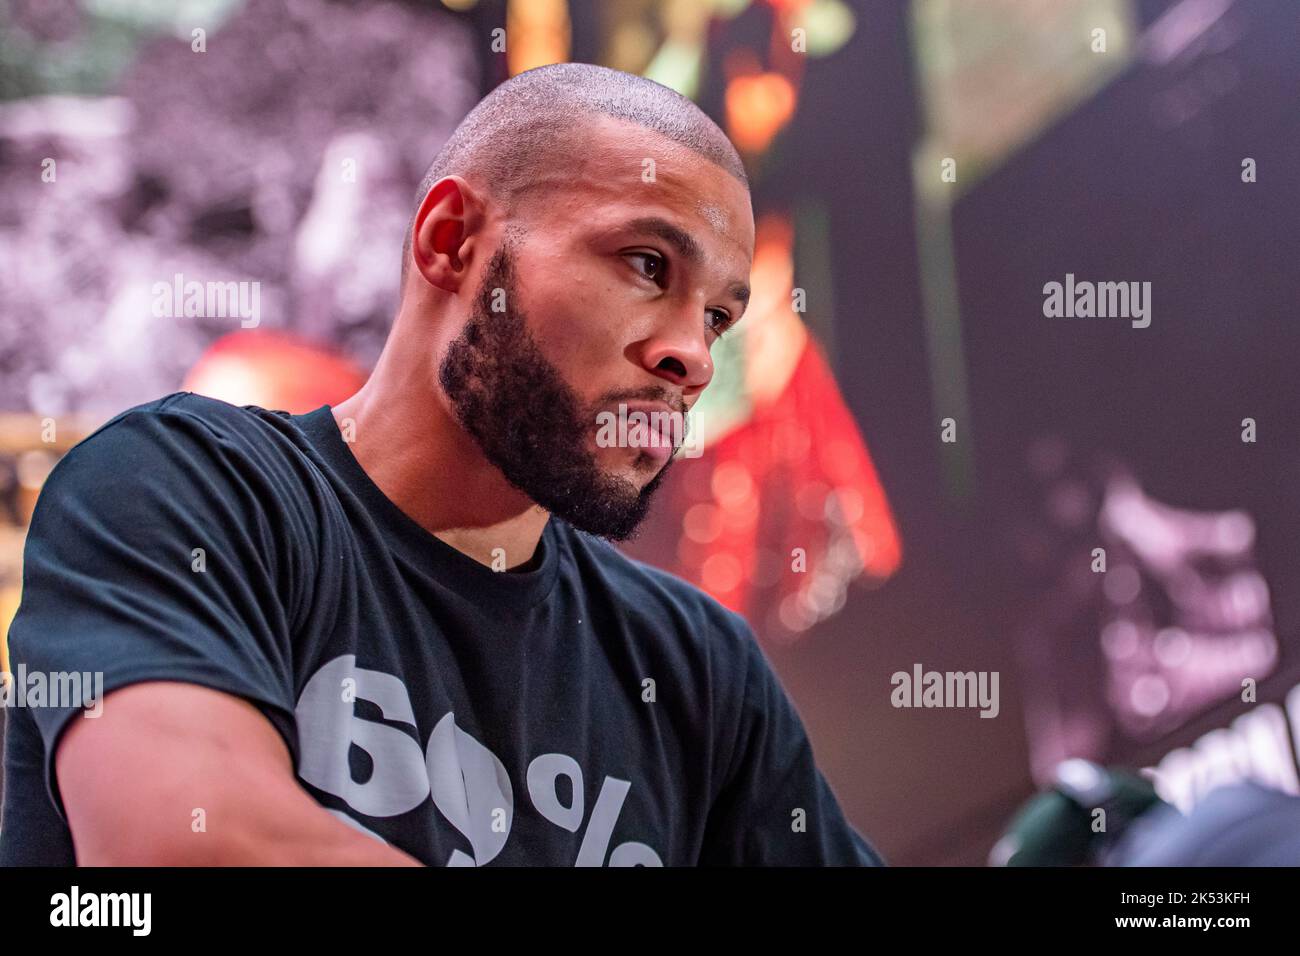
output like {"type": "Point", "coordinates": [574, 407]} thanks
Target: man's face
{"type": "Point", "coordinates": [606, 306]}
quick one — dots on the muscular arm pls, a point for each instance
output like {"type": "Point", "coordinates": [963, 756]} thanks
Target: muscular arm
{"type": "Point", "coordinates": [132, 778]}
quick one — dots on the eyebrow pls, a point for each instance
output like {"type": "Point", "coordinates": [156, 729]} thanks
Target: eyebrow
{"type": "Point", "coordinates": [686, 247]}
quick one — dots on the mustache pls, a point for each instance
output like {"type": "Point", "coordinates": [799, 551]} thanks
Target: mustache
{"type": "Point", "coordinates": [650, 393]}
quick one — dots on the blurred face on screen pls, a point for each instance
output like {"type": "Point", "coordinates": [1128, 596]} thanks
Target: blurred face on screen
{"type": "Point", "coordinates": [603, 298]}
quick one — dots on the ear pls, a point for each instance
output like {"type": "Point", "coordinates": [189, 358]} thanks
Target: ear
{"type": "Point", "coordinates": [446, 227]}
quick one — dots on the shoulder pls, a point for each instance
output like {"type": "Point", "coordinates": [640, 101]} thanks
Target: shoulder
{"type": "Point", "coordinates": [183, 415]}
{"type": "Point", "coordinates": [666, 605]}
{"type": "Point", "coordinates": [182, 433]}
{"type": "Point", "coordinates": [168, 483]}
{"type": "Point", "coordinates": [182, 452]}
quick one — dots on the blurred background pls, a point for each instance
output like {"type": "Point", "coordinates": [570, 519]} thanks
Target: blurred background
{"type": "Point", "coordinates": [905, 461]}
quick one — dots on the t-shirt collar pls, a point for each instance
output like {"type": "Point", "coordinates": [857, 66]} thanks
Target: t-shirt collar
{"type": "Point", "coordinates": [471, 579]}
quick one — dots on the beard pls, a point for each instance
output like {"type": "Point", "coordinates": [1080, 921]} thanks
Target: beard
{"type": "Point", "coordinates": [526, 419]}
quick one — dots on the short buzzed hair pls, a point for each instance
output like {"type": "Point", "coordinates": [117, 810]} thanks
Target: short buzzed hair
{"type": "Point", "coordinates": [531, 118]}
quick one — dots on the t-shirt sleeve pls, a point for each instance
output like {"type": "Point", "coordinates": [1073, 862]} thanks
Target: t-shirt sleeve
{"type": "Point", "coordinates": [155, 553]}
{"type": "Point", "coordinates": [774, 807]}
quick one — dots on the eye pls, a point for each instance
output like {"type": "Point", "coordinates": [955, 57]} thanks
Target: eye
{"type": "Point", "coordinates": [722, 324]}
{"type": "Point", "coordinates": [656, 263]}
{"type": "Point", "coordinates": [656, 268]}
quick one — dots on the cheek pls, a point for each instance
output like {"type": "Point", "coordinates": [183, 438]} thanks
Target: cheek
{"type": "Point", "coordinates": [581, 327]}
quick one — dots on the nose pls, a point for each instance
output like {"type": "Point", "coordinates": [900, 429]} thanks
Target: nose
{"type": "Point", "coordinates": [678, 352]}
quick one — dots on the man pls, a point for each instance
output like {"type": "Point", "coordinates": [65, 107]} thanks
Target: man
{"type": "Point", "coordinates": [387, 632]}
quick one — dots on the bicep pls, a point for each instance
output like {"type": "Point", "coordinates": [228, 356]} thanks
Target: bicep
{"type": "Point", "coordinates": [111, 589]}
{"type": "Point", "coordinates": [166, 773]}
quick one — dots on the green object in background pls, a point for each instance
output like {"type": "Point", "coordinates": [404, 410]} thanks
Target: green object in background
{"type": "Point", "coordinates": [102, 43]}
{"type": "Point", "coordinates": [1062, 826]}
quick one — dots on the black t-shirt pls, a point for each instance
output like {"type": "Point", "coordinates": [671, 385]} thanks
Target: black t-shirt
{"type": "Point", "coordinates": [590, 710]}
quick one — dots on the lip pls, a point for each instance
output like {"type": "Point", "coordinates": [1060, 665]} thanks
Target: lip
{"type": "Point", "coordinates": [665, 448]}
{"type": "Point", "coordinates": [660, 453]}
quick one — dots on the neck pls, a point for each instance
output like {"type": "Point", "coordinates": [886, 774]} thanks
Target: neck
{"type": "Point", "coordinates": [406, 440]}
